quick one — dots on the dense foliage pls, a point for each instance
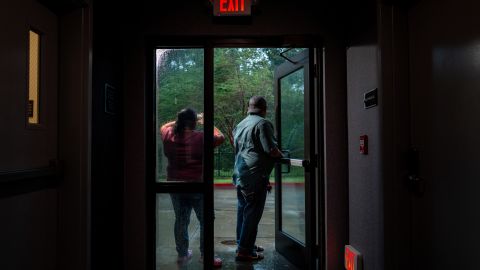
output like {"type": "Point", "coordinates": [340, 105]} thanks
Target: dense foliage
{"type": "Point", "coordinates": [239, 73]}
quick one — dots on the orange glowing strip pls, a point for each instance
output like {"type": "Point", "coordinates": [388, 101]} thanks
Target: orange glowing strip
{"type": "Point", "coordinates": [33, 77]}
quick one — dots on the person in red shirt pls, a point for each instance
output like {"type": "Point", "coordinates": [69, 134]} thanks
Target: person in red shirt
{"type": "Point", "coordinates": [183, 147]}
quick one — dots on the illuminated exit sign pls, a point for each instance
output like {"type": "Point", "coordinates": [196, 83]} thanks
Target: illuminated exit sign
{"type": "Point", "coordinates": [232, 7]}
{"type": "Point", "coordinates": [353, 258]}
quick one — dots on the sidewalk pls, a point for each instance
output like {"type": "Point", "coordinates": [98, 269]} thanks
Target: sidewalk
{"type": "Point", "coordinates": [225, 226]}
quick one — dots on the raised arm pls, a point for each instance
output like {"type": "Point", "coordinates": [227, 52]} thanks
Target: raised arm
{"type": "Point", "coordinates": [166, 127]}
{"type": "Point", "coordinates": [218, 137]}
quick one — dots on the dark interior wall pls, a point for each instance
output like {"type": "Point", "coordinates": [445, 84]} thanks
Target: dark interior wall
{"type": "Point", "coordinates": [45, 227]}
{"type": "Point", "coordinates": [335, 175]}
{"type": "Point", "coordinates": [28, 231]}
{"type": "Point", "coordinates": [395, 130]}
{"type": "Point", "coordinates": [74, 139]}
{"type": "Point", "coordinates": [364, 171]}
{"type": "Point", "coordinates": [444, 72]}
{"type": "Point", "coordinates": [107, 138]}
{"type": "Point", "coordinates": [336, 154]}
{"type": "Point", "coordinates": [429, 76]}
{"type": "Point", "coordinates": [23, 146]}
{"type": "Point", "coordinates": [193, 18]}
{"type": "Point", "coordinates": [134, 132]}
{"type": "Point", "coordinates": [28, 216]}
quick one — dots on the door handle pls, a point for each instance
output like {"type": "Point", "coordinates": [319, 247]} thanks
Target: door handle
{"type": "Point", "coordinates": [292, 162]}
{"type": "Point", "coordinates": [295, 162]}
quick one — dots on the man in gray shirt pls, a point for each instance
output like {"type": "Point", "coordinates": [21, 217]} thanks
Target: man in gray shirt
{"type": "Point", "coordinates": [255, 153]}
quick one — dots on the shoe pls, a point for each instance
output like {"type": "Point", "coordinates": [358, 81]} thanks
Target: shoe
{"type": "Point", "coordinates": [186, 258]}
{"type": "Point", "coordinates": [255, 248]}
{"type": "Point", "coordinates": [249, 257]}
{"type": "Point", "coordinates": [217, 262]}
{"type": "Point", "coordinates": [258, 248]}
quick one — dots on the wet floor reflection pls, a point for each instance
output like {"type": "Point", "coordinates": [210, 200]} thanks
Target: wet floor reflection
{"type": "Point", "coordinates": [225, 224]}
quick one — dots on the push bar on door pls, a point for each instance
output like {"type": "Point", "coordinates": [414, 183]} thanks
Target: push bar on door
{"type": "Point", "coordinates": [295, 162]}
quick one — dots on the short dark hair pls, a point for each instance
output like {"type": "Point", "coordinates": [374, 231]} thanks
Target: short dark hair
{"type": "Point", "coordinates": [257, 104]}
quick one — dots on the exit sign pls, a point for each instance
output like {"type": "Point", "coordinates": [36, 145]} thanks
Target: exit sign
{"type": "Point", "coordinates": [353, 258]}
{"type": "Point", "coordinates": [232, 7]}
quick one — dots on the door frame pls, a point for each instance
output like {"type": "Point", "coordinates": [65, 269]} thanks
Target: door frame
{"type": "Point", "coordinates": [285, 244]}
{"type": "Point", "coordinates": [209, 43]}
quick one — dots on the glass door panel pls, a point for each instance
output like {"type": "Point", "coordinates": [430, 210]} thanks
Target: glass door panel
{"type": "Point", "coordinates": [179, 85]}
{"type": "Point", "coordinates": [174, 235]}
{"type": "Point", "coordinates": [292, 138]}
{"type": "Point", "coordinates": [294, 237]}
{"type": "Point", "coordinates": [179, 153]}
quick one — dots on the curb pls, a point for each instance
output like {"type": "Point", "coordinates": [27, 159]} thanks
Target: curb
{"type": "Point", "coordinates": [230, 185]}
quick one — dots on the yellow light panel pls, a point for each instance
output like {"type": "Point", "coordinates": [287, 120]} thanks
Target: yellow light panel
{"type": "Point", "coordinates": [33, 77]}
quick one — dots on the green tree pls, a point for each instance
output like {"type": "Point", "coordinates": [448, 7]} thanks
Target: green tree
{"type": "Point", "coordinates": [239, 74]}
{"type": "Point", "coordinates": [179, 82]}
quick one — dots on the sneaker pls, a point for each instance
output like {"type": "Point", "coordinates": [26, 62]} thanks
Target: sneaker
{"type": "Point", "coordinates": [249, 257]}
{"type": "Point", "coordinates": [258, 248]}
{"type": "Point", "coordinates": [255, 248]}
{"type": "Point", "coordinates": [217, 262]}
{"type": "Point", "coordinates": [186, 258]}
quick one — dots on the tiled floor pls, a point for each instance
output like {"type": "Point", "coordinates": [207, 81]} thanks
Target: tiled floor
{"type": "Point", "coordinates": [225, 222]}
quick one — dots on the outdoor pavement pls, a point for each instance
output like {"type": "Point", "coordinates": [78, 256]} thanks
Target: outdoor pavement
{"type": "Point", "coordinates": [224, 231]}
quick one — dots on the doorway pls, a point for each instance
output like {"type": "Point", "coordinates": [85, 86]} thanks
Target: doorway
{"type": "Point", "coordinates": [217, 82]}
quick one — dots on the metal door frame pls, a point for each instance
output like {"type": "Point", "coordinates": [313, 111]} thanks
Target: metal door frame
{"type": "Point", "coordinates": [208, 43]}
{"type": "Point", "coordinates": [309, 256]}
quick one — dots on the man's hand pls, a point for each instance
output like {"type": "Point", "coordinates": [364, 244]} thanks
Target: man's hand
{"type": "Point", "coordinates": [275, 153]}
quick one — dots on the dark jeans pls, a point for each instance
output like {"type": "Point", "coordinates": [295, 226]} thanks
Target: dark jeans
{"type": "Point", "coordinates": [251, 202]}
{"type": "Point", "coordinates": [183, 205]}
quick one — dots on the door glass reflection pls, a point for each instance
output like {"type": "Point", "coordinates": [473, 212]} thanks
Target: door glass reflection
{"type": "Point", "coordinates": [293, 183]}
{"type": "Point", "coordinates": [179, 229]}
{"type": "Point", "coordinates": [179, 87]}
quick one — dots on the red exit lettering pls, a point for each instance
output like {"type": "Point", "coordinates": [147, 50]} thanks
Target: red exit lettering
{"type": "Point", "coordinates": [232, 7]}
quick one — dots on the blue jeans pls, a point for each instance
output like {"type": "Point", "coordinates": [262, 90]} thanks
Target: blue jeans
{"type": "Point", "coordinates": [251, 202]}
{"type": "Point", "coordinates": [183, 205]}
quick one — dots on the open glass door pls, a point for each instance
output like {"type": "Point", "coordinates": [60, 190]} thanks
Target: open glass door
{"type": "Point", "coordinates": [294, 237]}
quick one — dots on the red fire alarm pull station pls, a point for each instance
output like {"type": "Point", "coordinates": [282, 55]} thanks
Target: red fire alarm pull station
{"type": "Point", "coordinates": [353, 258]}
{"type": "Point", "coordinates": [364, 144]}
{"type": "Point", "coordinates": [232, 7]}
